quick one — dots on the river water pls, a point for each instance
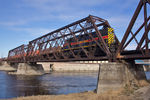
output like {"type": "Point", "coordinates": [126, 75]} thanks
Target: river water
{"type": "Point", "coordinates": [55, 83]}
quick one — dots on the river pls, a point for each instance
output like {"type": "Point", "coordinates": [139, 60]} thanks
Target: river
{"type": "Point", "coordinates": [55, 83]}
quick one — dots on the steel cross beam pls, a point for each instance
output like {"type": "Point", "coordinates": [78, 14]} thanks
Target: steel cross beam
{"type": "Point", "coordinates": [142, 50]}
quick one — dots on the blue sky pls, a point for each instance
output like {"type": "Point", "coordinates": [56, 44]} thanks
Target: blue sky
{"type": "Point", "coordinates": [24, 20]}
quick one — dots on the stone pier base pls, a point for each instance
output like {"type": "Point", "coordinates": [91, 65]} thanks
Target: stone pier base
{"type": "Point", "coordinates": [7, 67]}
{"type": "Point", "coordinates": [114, 76]}
{"type": "Point", "coordinates": [29, 69]}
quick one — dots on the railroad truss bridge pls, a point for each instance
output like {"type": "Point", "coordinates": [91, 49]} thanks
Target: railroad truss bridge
{"type": "Point", "coordinates": [93, 39]}
{"type": "Point", "coordinates": [90, 38]}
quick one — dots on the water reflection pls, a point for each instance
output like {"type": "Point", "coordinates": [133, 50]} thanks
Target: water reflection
{"type": "Point", "coordinates": [55, 83]}
{"type": "Point", "coordinates": [29, 86]}
{"type": "Point", "coordinates": [14, 86]}
{"type": "Point", "coordinates": [64, 83]}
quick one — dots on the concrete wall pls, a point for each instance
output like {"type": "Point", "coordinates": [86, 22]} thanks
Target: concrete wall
{"type": "Point", "coordinates": [72, 66]}
{"type": "Point", "coordinates": [75, 67]}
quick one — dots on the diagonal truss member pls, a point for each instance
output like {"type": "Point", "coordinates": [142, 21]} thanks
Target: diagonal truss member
{"type": "Point", "coordinates": [81, 40]}
{"type": "Point", "coordinates": [142, 49]}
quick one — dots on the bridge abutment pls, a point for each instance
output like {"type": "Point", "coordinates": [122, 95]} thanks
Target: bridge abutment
{"type": "Point", "coordinates": [115, 76]}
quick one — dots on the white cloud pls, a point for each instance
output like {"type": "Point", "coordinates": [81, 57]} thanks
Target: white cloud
{"type": "Point", "coordinates": [35, 32]}
{"type": "Point", "coordinates": [70, 11]}
{"type": "Point", "coordinates": [13, 23]}
{"type": "Point", "coordinates": [66, 10]}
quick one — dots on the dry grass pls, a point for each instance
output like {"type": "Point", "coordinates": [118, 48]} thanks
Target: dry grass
{"type": "Point", "coordinates": [144, 83]}
{"type": "Point", "coordinates": [122, 94]}
{"type": "Point", "coordinates": [73, 97]}
{"type": "Point", "coordinates": [78, 96]}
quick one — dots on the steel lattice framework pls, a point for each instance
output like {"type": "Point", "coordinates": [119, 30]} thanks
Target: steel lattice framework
{"type": "Point", "coordinates": [17, 54]}
{"type": "Point", "coordinates": [142, 47]}
{"type": "Point", "coordinates": [50, 47]}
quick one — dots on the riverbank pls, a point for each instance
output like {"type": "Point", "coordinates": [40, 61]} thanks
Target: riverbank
{"type": "Point", "coordinates": [139, 94]}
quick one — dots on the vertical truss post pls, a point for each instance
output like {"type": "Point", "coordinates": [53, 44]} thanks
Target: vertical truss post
{"type": "Point", "coordinates": [137, 11]}
{"type": "Point", "coordinates": [145, 20]}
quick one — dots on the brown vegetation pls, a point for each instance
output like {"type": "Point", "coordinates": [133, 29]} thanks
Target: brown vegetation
{"type": "Point", "coordinates": [76, 96]}
{"type": "Point", "coordinates": [123, 94]}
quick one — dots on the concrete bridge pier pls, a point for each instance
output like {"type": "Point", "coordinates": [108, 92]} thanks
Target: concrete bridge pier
{"type": "Point", "coordinates": [114, 76]}
{"type": "Point", "coordinates": [8, 66]}
{"type": "Point", "coordinates": [146, 68]}
{"type": "Point", "coordinates": [47, 67]}
{"type": "Point", "coordinates": [29, 69]}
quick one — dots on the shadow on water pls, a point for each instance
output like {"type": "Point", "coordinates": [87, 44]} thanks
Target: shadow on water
{"type": "Point", "coordinates": [14, 86]}
{"type": "Point", "coordinates": [54, 83]}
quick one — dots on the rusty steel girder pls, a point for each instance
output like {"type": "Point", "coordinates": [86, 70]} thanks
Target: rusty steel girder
{"type": "Point", "coordinates": [142, 49]}
{"type": "Point", "coordinates": [50, 47]}
{"type": "Point", "coordinates": [17, 54]}
{"type": "Point", "coordinates": [70, 43]}
{"type": "Point", "coordinates": [76, 41]}
{"type": "Point", "coordinates": [1, 60]}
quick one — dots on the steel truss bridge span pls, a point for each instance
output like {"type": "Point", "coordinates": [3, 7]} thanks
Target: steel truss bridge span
{"type": "Point", "coordinates": [90, 38]}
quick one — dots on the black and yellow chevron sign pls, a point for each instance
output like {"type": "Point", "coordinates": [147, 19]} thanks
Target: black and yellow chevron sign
{"type": "Point", "coordinates": [110, 36]}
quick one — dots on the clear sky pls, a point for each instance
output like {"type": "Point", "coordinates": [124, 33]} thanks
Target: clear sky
{"type": "Point", "coordinates": [24, 20]}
